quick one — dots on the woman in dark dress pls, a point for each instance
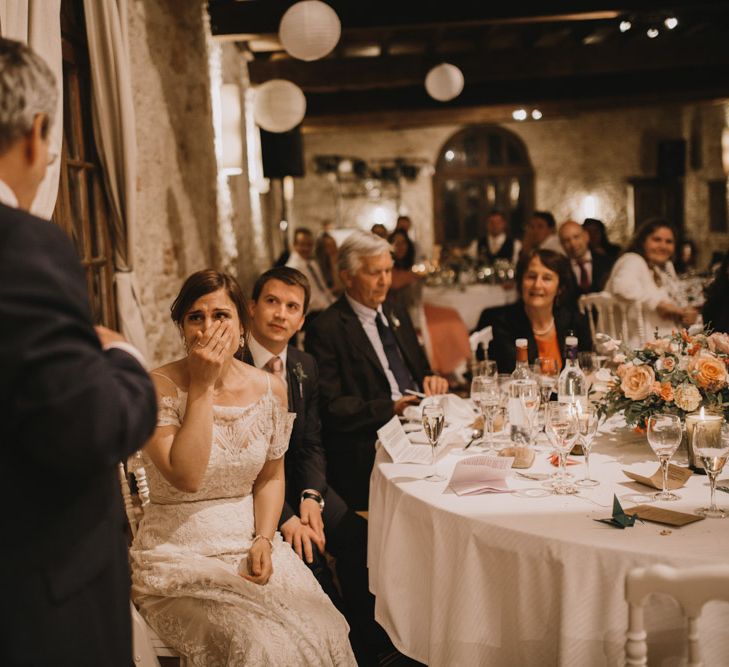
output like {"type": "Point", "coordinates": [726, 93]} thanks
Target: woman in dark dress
{"type": "Point", "coordinates": [545, 314]}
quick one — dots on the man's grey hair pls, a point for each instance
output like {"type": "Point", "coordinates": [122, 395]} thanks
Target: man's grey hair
{"type": "Point", "coordinates": [27, 88]}
{"type": "Point", "coordinates": [360, 244]}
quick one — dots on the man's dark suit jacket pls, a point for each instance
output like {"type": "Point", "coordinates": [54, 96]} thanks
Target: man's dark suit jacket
{"type": "Point", "coordinates": [355, 394]}
{"type": "Point", "coordinates": [511, 322]}
{"type": "Point", "coordinates": [304, 463]}
{"type": "Point", "coordinates": [69, 412]}
{"type": "Point", "coordinates": [601, 265]}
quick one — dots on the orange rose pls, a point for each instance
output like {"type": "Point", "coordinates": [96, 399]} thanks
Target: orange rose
{"type": "Point", "coordinates": [708, 372]}
{"type": "Point", "coordinates": [637, 382]}
{"type": "Point", "coordinates": [666, 392]}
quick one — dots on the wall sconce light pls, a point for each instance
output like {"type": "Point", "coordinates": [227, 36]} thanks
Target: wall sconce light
{"type": "Point", "coordinates": [231, 162]}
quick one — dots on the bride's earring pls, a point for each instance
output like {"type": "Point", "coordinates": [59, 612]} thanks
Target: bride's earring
{"type": "Point", "coordinates": [242, 341]}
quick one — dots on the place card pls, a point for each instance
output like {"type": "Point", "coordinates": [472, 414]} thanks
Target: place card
{"type": "Point", "coordinates": [483, 473]}
{"type": "Point", "coordinates": [663, 516]}
{"type": "Point", "coordinates": [677, 477]}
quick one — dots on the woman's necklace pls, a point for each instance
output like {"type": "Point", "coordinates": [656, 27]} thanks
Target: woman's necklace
{"type": "Point", "coordinates": [544, 331]}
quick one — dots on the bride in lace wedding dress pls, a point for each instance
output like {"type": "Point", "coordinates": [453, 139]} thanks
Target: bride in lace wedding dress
{"type": "Point", "coordinates": [210, 573]}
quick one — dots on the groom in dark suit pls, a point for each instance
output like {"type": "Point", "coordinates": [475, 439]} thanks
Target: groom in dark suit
{"type": "Point", "coordinates": [73, 402]}
{"type": "Point", "coordinates": [314, 517]}
{"type": "Point", "coordinates": [369, 357]}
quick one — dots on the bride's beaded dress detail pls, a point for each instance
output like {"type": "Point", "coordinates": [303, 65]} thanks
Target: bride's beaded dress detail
{"type": "Point", "coordinates": [187, 551]}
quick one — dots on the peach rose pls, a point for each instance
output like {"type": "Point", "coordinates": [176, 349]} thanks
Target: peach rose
{"type": "Point", "coordinates": [687, 397]}
{"type": "Point", "coordinates": [718, 342]}
{"type": "Point", "coordinates": [708, 372]}
{"type": "Point", "coordinates": [666, 364]}
{"type": "Point", "coordinates": [637, 382]}
{"type": "Point", "coordinates": [659, 346]}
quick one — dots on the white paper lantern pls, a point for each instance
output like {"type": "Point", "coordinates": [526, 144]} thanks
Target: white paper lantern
{"type": "Point", "coordinates": [309, 30]}
{"type": "Point", "coordinates": [444, 82]}
{"type": "Point", "coordinates": [279, 105]}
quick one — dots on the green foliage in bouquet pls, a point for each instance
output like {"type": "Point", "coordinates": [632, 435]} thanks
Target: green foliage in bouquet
{"type": "Point", "coordinates": [676, 374]}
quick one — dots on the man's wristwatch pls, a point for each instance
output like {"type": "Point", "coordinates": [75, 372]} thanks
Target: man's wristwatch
{"type": "Point", "coordinates": [313, 495]}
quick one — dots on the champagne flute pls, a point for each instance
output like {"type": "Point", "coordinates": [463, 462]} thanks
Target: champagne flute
{"type": "Point", "coordinates": [562, 430]}
{"type": "Point", "coordinates": [664, 436]}
{"type": "Point", "coordinates": [529, 399]}
{"type": "Point", "coordinates": [587, 419]}
{"type": "Point", "coordinates": [486, 397]}
{"type": "Point", "coordinates": [713, 450]}
{"type": "Point", "coordinates": [433, 422]}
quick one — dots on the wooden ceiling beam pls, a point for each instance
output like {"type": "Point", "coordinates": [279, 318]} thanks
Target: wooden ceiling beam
{"type": "Point", "coordinates": [256, 17]}
{"type": "Point", "coordinates": [494, 67]}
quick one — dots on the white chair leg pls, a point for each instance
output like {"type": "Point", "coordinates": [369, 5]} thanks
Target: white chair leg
{"type": "Point", "coordinates": [142, 651]}
{"type": "Point", "coordinates": [636, 648]}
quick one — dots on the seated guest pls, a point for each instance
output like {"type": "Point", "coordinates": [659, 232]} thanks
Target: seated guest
{"type": "Point", "coordinates": [405, 224]}
{"type": "Point", "coordinates": [541, 232]}
{"type": "Point", "coordinates": [591, 271]}
{"type": "Point", "coordinates": [403, 255]}
{"type": "Point", "coordinates": [498, 244]}
{"type": "Point", "coordinates": [326, 252]}
{"type": "Point", "coordinates": [599, 241]}
{"type": "Point", "coordinates": [716, 307]}
{"type": "Point", "coordinates": [687, 259]}
{"type": "Point", "coordinates": [644, 274]}
{"type": "Point", "coordinates": [368, 356]}
{"type": "Point", "coordinates": [313, 516]}
{"type": "Point", "coordinates": [545, 313]}
{"type": "Point", "coordinates": [302, 258]}
{"type": "Point", "coordinates": [210, 573]}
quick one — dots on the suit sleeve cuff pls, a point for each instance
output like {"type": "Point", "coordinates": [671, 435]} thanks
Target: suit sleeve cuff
{"type": "Point", "coordinates": [131, 350]}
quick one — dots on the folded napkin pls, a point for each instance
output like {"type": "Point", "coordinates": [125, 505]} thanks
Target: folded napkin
{"type": "Point", "coordinates": [458, 411]}
{"type": "Point", "coordinates": [554, 460]}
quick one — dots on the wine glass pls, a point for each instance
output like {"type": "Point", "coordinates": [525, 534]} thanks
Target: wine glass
{"type": "Point", "coordinates": [713, 450]}
{"type": "Point", "coordinates": [546, 370]}
{"type": "Point", "coordinates": [562, 429]}
{"type": "Point", "coordinates": [664, 436]}
{"type": "Point", "coordinates": [486, 367]}
{"type": "Point", "coordinates": [433, 422]}
{"type": "Point", "coordinates": [529, 399]}
{"type": "Point", "coordinates": [486, 397]}
{"type": "Point", "coordinates": [587, 419]}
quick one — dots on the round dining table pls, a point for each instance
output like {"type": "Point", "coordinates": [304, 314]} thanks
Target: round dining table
{"type": "Point", "coordinates": [524, 579]}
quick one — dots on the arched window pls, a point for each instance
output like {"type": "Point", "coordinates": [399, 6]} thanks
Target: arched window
{"type": "Point", "coordinates": [481, 168]}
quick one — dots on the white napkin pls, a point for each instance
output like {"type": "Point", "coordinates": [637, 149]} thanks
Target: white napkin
{"type": "Point", "coordinates": [458, 411]}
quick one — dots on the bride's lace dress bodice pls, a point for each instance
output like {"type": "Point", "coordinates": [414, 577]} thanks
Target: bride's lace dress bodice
{"type": "Point", "coordinates": [190, 546]}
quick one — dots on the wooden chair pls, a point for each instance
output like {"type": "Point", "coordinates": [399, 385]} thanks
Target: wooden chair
{"type": "Point", "coordinates": [146, 645]}
{"type": "Point", "coordinates": [691, 587]}
{"type": "Point", "coordinates": [619, 319]}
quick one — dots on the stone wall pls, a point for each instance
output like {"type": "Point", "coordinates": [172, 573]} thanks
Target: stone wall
{"type": "Point", "coordinates": [590, 153]}
{"type": "Point", "coordinates": [176, 186]}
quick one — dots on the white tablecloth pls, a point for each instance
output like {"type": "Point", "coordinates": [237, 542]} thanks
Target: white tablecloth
{"type": "Point", "coordinates": [471, 300]}
{"type": "Point", "coordinates": [505, 580]}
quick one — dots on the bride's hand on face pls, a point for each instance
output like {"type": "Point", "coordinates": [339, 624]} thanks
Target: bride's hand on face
{"type": "Point", "coordinates": [208, 351]}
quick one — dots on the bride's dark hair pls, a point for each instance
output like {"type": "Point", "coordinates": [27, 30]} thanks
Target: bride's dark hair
{"type": "Point", "coordinates": [204, 282]}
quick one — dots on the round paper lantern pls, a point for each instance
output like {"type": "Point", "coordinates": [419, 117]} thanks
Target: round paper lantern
{"type": "Point", "coordinates": [309, 30]}
{"type": "Point", "coordinates": [444, 82]}
{"type": "Point", "coordinates": [279, 105]}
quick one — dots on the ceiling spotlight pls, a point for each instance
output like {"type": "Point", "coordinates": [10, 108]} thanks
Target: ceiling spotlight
{"type": "Point", "coordinates": [536, 114]}
{"type": "Point", "coordinates": [652, 33]}
{"type": "Point", "coordinates": [519, 114]}
{"type": "Point", "coordinates": [625, 26]}
{"type": "Point", "coordinates": [671, 22]}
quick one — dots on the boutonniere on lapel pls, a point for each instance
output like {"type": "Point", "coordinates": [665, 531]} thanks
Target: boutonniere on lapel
{"type": "Point", "coordinates": [300, 376]}
{"type": "Point", "coordinates": [394, 321]}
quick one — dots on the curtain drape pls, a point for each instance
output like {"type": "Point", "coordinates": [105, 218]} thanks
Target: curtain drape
{"type": "Point", "coordinates": [38, 24]}
{"type": "Point", "coordinates": [115, 133]}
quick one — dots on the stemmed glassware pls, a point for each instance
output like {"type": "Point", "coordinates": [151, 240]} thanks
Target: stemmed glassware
{"type": "Point", "coordinates": [713, 450]}
{"type": "Point", "coordinates": [433, 423]}
{"type": "Point", "coordinates": [587, 419]}
{"type": "Point", "coordinates": [546, 371]}
{"type": "Point", "coordinates": [562, 429]}
{"type": "Point", "coordinates": [486, 368]}
{"type": "Point", "coordinates": [529, 399]}
{"type": "Point", "coordinates": [486, 397]}
{"type": "Point", "coordinates": [664, 436]}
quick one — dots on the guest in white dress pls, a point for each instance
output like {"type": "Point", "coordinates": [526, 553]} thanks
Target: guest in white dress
{"type": "Point", "coordinates": [210, 573]}
{"type": "Point", "coordinates": [644, 274]}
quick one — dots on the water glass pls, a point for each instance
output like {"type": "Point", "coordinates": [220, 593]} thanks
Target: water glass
{"type": "Point", "coordinates": [562, 429]}
{"type": "Point", "coordinates": [486, 396]}
{"type": "Point", "coordinates": [664, 436]}
{"type": "Point", "coordinates": [588, 419]}
{"type": "Point", "coordinates": [546, 371]}
{"type": "Point", "coordinates": [529, 399]}
{"type": "Point", "coordinates": [433, 423]}
{"type": "Point", "coordinates": [486, 368]}
{"type": "Point", "coordinates": [713, 450]}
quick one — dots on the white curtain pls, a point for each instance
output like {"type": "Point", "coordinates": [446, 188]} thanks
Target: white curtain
{"type": "Point", "coordinates": [114, 130]}
{"type": "Point", "coordinates": [38, 24]}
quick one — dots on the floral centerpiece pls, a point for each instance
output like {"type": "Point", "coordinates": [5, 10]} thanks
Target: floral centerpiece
{"type": "Point", "coordinates": [675, 374]}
